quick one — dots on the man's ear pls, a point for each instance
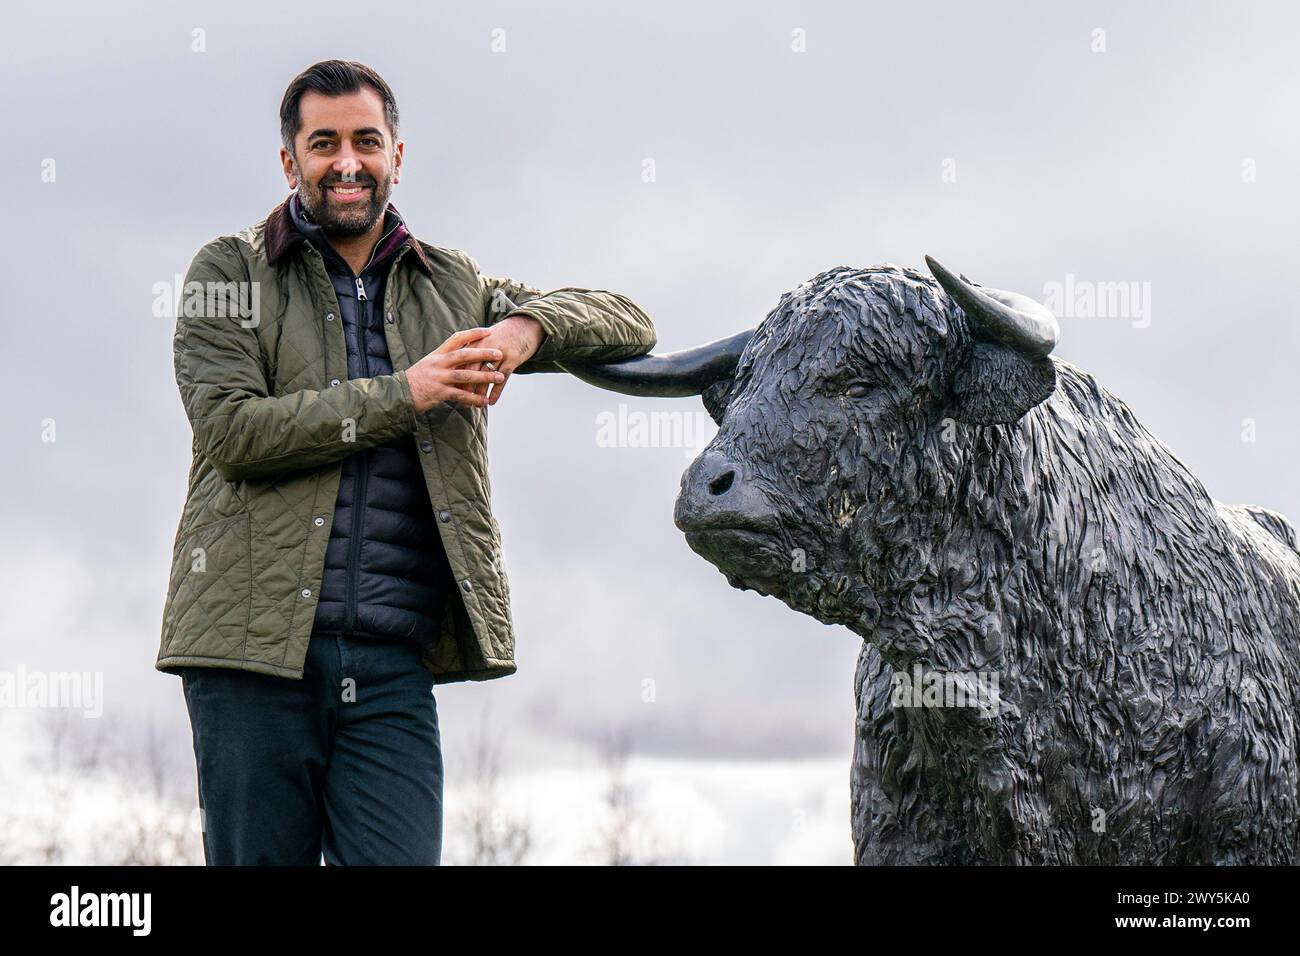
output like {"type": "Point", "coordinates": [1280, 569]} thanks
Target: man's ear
{"type": "Point", "coordinates": [289, 165]}
{"type": "Point", "coordinates": [996, 385]}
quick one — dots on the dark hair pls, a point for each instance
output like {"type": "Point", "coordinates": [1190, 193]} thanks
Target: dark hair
{"type": "Point", "coordinates": [332, 78]}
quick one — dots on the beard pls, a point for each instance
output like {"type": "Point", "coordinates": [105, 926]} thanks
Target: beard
{"type": "Point", "coordinates": [345, 219]}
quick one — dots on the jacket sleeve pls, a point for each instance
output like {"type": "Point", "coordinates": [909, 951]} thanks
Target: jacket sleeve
{"type": "Point", "coordinates": [580, 324]}
{"type": "Point", "coordinates": [223, 380]}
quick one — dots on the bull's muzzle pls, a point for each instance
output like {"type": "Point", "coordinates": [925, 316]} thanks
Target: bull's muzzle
{"type": "Point", "coordinates": [718, 494]}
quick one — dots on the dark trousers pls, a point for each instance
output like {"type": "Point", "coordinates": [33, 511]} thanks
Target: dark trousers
{"type": "Point", "coordinates": [346, 761]}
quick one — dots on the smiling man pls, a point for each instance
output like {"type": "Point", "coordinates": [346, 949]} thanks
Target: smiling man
{"type": "Point", "coordinates": [337, 555]}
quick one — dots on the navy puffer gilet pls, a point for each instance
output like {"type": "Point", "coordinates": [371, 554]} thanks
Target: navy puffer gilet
{"type": "Point", "coordinates": [386, 573]}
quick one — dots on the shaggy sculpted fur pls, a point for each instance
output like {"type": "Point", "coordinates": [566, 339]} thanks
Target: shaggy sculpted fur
{"type": "Point", "coordinates": [1145, 637]}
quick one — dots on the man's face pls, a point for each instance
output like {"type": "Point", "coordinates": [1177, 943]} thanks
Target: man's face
{"type": "Point", "coordinates": [344, 163]}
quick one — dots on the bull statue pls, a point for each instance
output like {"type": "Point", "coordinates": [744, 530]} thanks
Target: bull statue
{"type": "Point", "coordinates": [1072, 654]}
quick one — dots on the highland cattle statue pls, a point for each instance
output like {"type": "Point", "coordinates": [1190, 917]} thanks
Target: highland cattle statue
{"type": "Point", "coordinates": [1071, 652]}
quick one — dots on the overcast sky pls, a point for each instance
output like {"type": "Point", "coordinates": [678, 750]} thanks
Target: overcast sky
{"type": "Point", "coordinates": [1013, 141]}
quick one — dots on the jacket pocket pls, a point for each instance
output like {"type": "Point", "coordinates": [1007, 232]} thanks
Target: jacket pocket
{"type": "Point", "coordinates": [211, 580]}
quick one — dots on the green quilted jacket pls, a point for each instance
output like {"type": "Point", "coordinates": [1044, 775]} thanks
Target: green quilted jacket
{"type": "Point", "coordinates": [261, 365]}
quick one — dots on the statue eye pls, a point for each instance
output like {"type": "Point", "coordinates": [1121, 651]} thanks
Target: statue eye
{"type": "Point", "coordinates": [859, 389]}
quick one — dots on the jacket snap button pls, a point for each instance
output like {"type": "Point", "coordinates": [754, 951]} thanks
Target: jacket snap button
{"type": "Point", "coordinates": [306, 592]}
{"type": "Point", "coordinates": [333, 382]}
{"type": "Point", "coordinates": [466, 585]}
{"type": "Point", "coordinates": [329, 316]}
{"type": "Point", "coordinates": [426, 445]}
{"type": "Point", "coordinates": [444, 515]}
{"type": "Point", "coordinates": [390, 318]}
{"type": "Point", "coordinates": [319, 522]}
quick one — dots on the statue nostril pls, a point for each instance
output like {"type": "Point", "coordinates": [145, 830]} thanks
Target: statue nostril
{"type": "Point", "coordinates": [719, 485]}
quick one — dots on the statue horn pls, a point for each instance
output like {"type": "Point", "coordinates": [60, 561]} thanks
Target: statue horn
{"type": "Point", "coordinates": [671, 375]}
{"type": "Point", "coordinates": [1008, 317]}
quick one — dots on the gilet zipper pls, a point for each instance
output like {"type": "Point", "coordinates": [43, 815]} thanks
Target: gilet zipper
{"type": "Point", "coordinates": [363, 457]}
{"type": "Point", "coordinates": [362, 474]}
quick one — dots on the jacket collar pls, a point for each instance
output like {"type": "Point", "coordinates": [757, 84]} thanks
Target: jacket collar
{"type": "Point", "coordinates": [282, 236]}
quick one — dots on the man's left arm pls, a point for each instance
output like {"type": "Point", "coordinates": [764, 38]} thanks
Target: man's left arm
{"type": "Point", "coordinates": [589, 325]}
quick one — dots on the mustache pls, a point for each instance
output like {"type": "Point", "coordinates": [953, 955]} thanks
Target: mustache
{"type": "Point", "coordinates": [347, 182]}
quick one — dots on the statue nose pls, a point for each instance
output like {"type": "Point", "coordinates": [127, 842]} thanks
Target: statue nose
{"type": "Point", "coordinates": [721, 483]}
{"type": "Point", "coordinates": [716, 493]}
{"type": "Point", "coordinates": [712, 473]}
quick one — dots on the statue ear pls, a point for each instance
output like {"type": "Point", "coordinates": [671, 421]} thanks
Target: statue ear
{"type": "Point", "coordinates": [1006, 369]}
{"type": "Point", "coordinates": [717, 397]}
{"type": "Point", "coordinates": [996, 385]}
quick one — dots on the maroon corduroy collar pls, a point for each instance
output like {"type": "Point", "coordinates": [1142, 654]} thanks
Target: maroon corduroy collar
{"type": "Point", "coordinates": [282, 235]}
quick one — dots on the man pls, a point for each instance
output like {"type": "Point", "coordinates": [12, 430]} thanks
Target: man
{"type": "Point", "coordinates": [337, 555]}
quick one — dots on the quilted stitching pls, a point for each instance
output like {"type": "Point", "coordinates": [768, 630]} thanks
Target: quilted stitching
{"type": "Point", "coordinates": [268, 451]}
